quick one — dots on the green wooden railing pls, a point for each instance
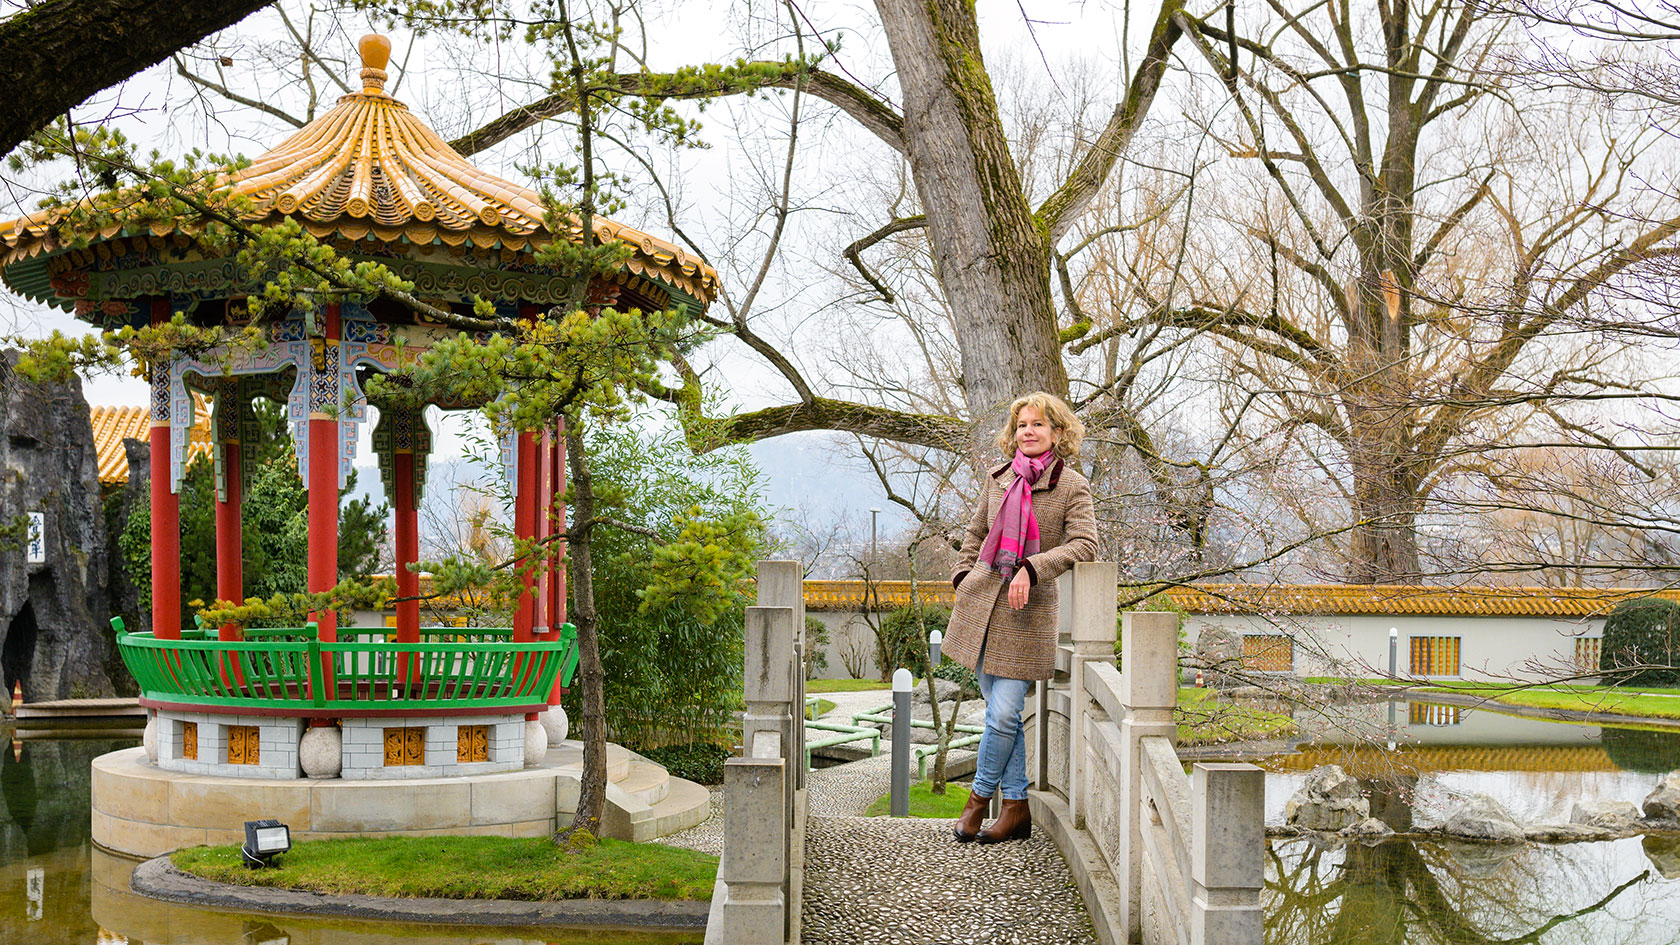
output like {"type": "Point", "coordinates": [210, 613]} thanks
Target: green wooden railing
{"type": "Point", "coordinates": [291, 671]}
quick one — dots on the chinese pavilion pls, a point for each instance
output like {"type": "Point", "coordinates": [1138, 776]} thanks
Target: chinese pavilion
{"type": "Point", "coordinates": [375, 183]}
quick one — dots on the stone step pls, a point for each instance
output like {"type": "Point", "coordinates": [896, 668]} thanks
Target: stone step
{"type": "Point", "coordinates": [685, 804]}
{"type": "Point", "coordinates": [645, 781]}
{"type": "Point", "coordinates": [570, 752]}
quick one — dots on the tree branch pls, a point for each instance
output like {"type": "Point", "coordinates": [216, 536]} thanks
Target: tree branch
{"type": "Point", "coordinates": [1059, 211]}
{"type": "Point", "coordinates": [106, 40]}
{"type": "Point", "coordinates": [854, 100]}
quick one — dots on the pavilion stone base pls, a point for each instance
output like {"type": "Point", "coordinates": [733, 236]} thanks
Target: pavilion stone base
{"type": "Point", "coordinates": [372, 750]}
{"type": "Point", "coordinates": [141, 809]}
{"type": "Point", "coordinates": [202, 743]}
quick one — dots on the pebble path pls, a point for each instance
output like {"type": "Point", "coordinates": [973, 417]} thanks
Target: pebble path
{"type": "Point", "coordinates": [906, 881]}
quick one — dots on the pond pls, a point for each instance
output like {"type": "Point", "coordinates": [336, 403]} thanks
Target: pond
{"type": "Point", "coordinates": [1405, 892]}
{"type": "Point", "coordinates": [56, 888]}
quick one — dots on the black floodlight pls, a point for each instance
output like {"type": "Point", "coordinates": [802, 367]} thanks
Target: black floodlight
{"type": "Point", "coordinates": [264, 840]}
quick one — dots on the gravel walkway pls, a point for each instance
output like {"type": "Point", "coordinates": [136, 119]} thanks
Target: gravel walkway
{"type": "Point", "coordinates": [907, 882]}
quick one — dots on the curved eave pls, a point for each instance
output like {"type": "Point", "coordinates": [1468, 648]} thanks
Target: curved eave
{"type": "Point", "coordinates": [24, 265]}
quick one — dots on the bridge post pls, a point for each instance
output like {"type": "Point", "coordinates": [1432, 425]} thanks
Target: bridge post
{"type": "Point", "coordinates": [1148, 694]}
{"type": "Point", "coordinates": [754, 866]}
{"type": "Point", "coordinates": [1095, 601]}
{"type": "Point", "coordinates": [1227, 850]}
{"type": "Point", "coordinates": [782, 584]}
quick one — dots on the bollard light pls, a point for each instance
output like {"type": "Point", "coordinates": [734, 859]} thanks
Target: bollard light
{"type": "Point", "coordinates": [264, 840]}
{"type": "Point", "coordinates": [934, 640]}
{"type": "Point", "coordinates": [901, 684]}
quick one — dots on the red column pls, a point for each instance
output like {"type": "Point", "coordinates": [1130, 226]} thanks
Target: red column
{"type": "Point", "coordinates": [323, 497]}
{"type": "Point", "coordinates": [407, 548]}
{"type": "Point", "coordinates": [557, 587]}
{"type": "Point", "coordinates": [166, 540]}
{"type": "Point", "coordinates": [407, 535]}
{"type": "Point", "coordinates": [545, 528]}
{"type": "Point", "coordinates": [230, 565]}
{"type": "Point", "coordinates": [166, 508]}
{"type": "Point", "coordinates": [557, 504]}
{"type": "Point", "coordinates": [525, 529]}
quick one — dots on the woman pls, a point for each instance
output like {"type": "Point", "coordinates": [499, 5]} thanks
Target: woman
{"type": "Point", "coordinates": [1033, 521]}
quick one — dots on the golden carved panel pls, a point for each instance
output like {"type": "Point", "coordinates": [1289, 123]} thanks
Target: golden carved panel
{"type": "Point", "coordinates": [189, 740]}
{"type": "Point", "coordinates": [242, 745]}
{"type": "Point", "coordinates": [472, 743]}
{"type": "Point", "coordinates": [405, 746]}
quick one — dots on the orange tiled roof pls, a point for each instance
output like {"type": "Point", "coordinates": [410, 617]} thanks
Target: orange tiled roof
{"type": "Point", "coordinates": [369, 168]}
{"type": "Point", "coordinates": [111, 425]}
{"type": "Point", "coordinates": [1339, 599]}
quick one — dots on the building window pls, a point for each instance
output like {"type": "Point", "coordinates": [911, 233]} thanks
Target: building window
{"type": "Point", "coordinates": [1268, 653]}
{"type": "Point", "coordinates": [405, 746]}
{"type": "Point", "coordinates": [1587, 650]}
{"type": "Point", "coordinates": [1429, 713]}
{"type": "Point", "coordinates": [189, 740]}
{"type": "Point", "coordinates": [242, 745]}
{"type": "Point", "coordinates": [1435, 656]}
{"type": "Point", "coordinates": [472, 743]}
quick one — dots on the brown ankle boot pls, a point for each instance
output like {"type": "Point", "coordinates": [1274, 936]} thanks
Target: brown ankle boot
{"type": "Point", "coordinates": [973, 813]}
{"type": "Point", "coordinates": [1014, 822]}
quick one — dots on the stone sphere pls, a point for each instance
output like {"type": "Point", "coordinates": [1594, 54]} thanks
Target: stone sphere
{"type": "Point", "coordinates": [149, 739]}
{"type": "Point", "coordinates": [555, 723]}
{"type": "Point", "coordinates": [536, 743]}
{"type": "Point", "coordinates": [321, 751]}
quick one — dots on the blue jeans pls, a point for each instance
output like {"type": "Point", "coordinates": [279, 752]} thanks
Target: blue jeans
{"type": "Point", "coordinates": [1002, 761]}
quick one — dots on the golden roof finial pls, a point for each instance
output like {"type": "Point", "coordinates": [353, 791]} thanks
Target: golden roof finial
{"type": "Point", "coordinates": [376, 53]}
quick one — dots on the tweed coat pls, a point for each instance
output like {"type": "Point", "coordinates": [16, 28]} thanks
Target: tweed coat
{"type": "Point", "coordinates": [1020, 644]}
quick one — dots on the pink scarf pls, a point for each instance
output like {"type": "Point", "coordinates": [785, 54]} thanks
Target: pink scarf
{"type": "Point", "coordinates": [1014, 533]}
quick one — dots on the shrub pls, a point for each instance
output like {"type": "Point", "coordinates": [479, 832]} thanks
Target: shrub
{"type": "Point", "coordinates": [700, 762]}
{"type": "Point", "coordinates": [1642, 633]}
{"type": "Point", "coordinates": [956, 672]}
{"type": "Point", "coordinates": [816, 647]}
{"type": "Point", "coordinates": [673, 675]}
{"type": "Point", "coordinates": [903, 638]}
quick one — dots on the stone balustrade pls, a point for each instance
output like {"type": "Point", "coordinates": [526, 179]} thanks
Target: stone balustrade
{"type": "Point", "coordinates": [757, 898]}
{"type": "Point", "coordinates": [1158, 857]}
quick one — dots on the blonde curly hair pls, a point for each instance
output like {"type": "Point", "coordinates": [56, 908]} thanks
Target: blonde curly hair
{"type": "Point", "coordinates": [1053, 409]}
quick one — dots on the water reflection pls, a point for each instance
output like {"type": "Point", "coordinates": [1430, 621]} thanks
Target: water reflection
{"type": "Point", "coordinates": [1404, 892]}
{"type": "Point", "coordinates": [57, 889]}
{"type": "Point", "coordinates": [1537, 769]}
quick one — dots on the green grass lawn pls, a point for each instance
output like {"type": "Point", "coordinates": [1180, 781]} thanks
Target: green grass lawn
{"type": "Point", "coordinates": [1645, 703]}
{"type": "Point", "coordinates": [814, 686]}
{"type": "Point", "coordinates": [818, 710]}
{"type": "Point", "coordinates": [925, 803]}
{"type": "Point", "coordinates": [469, 868]}
{"type": "Point", "coordinates": [1204, 719]}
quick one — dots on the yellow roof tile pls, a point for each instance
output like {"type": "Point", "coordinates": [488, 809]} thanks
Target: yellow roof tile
{"type": "Point", "coordinates": [1333, 599]}
{"type": "Point", "coordinates": [112, 425]}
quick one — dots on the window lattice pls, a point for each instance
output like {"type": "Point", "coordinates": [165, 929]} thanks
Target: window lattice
{"type": "Point", "coordinates": [1435, 656]}
{"type": "Point", "coordinates": [1268, 653]}
{"type": "Point", "coordinates": [1587, 650]}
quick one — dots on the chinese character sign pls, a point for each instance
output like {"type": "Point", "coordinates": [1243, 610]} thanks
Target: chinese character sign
{"type": "Point", "coordinates": [36, 543]}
